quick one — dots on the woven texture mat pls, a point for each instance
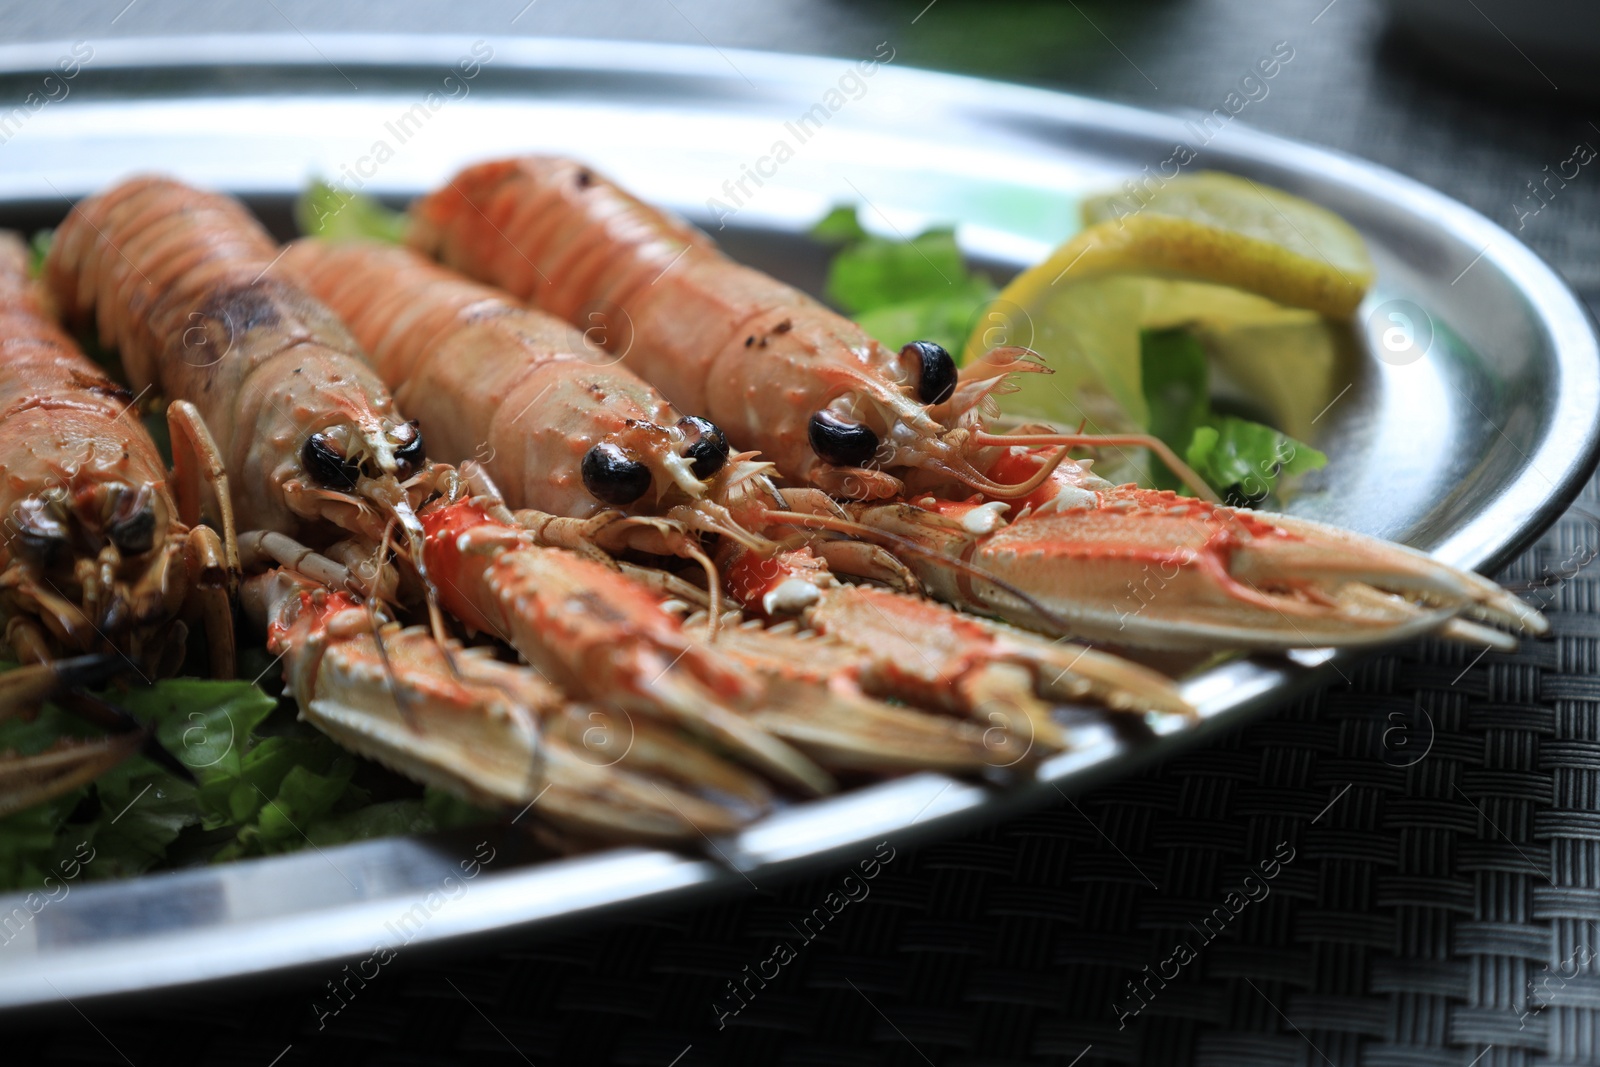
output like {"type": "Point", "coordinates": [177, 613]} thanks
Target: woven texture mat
{"type": "Point", "coordinates": [1401, 870]}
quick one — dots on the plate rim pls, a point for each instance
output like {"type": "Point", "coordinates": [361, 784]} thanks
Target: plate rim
{"type": "Point", "coordinates": [342, 932]}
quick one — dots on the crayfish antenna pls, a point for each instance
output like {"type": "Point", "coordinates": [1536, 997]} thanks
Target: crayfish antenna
{"type": "Point", "coordinates": [401, 513]}
{"type": "Point", "coordinates": [375, 621]}
{"type": "Point", "coordinates": [713, 588]}
{"type": "Point", "coordinates": [968, 475]}
{"type": "Point", "coordinates": [1185, 473]}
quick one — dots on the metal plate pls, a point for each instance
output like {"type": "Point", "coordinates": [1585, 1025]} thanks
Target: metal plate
{"type": "Point", "coordinates": [1469, 451]}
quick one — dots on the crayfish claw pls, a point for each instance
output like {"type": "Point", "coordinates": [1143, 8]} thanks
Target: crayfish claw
{"type": "Point", "coordinates": [602, 637]}
{"type": "Point", "coordinates": [922, 652]}
{"type": "Point", "coordinates": [479, 731]}
{"type": "Point", "coordinates": [811, 700]}
{"type": "Point", "coordinates": [1138, 568]}
{"type": "Point", "coordinates": [1335, 555]}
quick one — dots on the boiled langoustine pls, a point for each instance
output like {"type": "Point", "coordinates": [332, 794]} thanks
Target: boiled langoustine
{"type": "Point", "coordinates": [900, 435]}
{"type": "Point", "coordinates": [102, 554]}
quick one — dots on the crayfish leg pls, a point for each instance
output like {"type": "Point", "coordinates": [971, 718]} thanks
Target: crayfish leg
{"type": "Point", "coordinates": [200, 481]}
{"type": "Point", "coordinates": [26, 780]}
{"type": "Point", "coordinates": [61, 768]}
{"type": "Point", "coordinates": [23, 689]}
{"type": "Point", "coordinates": [205, 558]}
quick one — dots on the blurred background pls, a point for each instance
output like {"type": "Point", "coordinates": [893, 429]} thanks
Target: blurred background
{"type": "Point", "coordinates": [1474, 97]}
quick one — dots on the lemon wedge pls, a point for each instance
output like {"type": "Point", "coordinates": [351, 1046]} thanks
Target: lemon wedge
{"type": "Point", "coordinates": [1255, 273]}
{"type": "Point", "coordinates": [1232, 231]}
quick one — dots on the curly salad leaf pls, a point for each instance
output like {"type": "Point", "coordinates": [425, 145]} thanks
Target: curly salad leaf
{"type": "Point", "coordinates": [922, 289]}
{"type": "Point", "coordinates": [264, 784]}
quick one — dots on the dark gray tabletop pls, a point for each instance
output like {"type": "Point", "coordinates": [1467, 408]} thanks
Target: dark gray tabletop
{"type": "Point", "coordinates": [1431, 824]}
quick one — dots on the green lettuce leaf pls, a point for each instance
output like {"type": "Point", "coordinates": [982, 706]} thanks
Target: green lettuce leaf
{"type": "Point", "coordinates": [839, 226]}
{"type": "Point", "coordinates": [1245, 460]}
{"type": "Point", "coordinates": [946, 318]}
{"type": "Point", "coordinates": [143, 810]}
{"type": "Point", "coordinates": [264, 784]}
{"type": "Point", "coordinates": [1242, 460]}
{"type": "Point", "coordinates": [876, 272]}
{"type": "Point", "coordinates": [324, 210]}
{"type": "Point", "coordinates": [902, 291]}
{"type": "Point", "coordinates": [1176, 381]}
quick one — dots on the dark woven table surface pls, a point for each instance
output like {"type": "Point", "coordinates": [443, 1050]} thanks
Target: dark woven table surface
{"type": "Point", "coordinates": [1402, 870]}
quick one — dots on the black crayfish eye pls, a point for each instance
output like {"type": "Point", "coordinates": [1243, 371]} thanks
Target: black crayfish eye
{"type": "Point", "coordinates": [840, 441]}
{"type": "Point", "coordinates": [708, 450]}
{"type": "Point", "coordinates": [410, 455]}
{"type": "Point", "coordinates": [614, 475]}
{"type": "Point", "coordinates": [131, 525]}
{"type": "Point", "coordinates": [936, 380]}
{"type": "Point", "coordinates": [40, 536]}
{"type": "Point", "coordinates": [324, 463]}
{"type": "Point", "coordinates": [135, 533]}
